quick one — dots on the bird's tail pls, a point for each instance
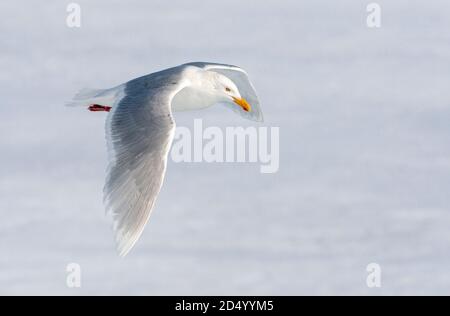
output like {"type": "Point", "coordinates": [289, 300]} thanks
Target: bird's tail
{"type": "Point", "coordinates": [88, 97]}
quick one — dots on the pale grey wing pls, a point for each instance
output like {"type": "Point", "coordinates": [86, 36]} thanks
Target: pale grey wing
{"type": "Point", "coordinates": [139, 133]}
{"type": "Point", "coordinates": [241, 80]}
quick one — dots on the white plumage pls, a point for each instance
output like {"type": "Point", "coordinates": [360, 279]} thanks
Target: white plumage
{"type": "Point", "coordinates": [140, 129]}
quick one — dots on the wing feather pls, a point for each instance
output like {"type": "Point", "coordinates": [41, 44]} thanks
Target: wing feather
{"type": "Point", "coordinates": [139, 132]}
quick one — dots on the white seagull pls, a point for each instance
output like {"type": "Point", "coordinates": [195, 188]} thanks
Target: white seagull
{"type": "Point", "coordinates": [140, 129]}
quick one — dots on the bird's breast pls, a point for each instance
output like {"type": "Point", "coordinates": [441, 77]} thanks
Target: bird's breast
{"type": "Point", "coordinates": [190, 98]}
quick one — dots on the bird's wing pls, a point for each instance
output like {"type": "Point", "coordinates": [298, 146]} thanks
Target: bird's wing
{"type": "Point", "coordinates": [242, 82]}
{"type": "Point", "coordinates": [139, 132]}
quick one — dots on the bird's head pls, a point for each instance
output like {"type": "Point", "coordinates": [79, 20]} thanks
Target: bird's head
{"type": "Point", "coordinates": [227, 92]}
{"type": "Point", "coordinates": [208, 87]}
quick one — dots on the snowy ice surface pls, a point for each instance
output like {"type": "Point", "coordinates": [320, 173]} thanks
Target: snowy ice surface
{"type": "Point", "coordinates": [364, 117]}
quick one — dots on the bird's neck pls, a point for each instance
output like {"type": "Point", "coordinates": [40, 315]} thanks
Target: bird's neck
{"type": "Point", "coordinates": [193, 90]}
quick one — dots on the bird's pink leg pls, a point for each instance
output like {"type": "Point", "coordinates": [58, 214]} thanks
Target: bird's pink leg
{"type": "Point", "coordinates": [99, 108]}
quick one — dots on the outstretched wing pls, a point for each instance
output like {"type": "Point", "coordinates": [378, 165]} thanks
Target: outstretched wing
{"type": "Point", "coordinates": [139, 132]}
{"type": "Point", "coordinates": [241, 80]}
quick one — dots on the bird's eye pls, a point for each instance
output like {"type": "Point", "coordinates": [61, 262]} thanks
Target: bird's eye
{"type": "Point", "coordinates": [227, 89]}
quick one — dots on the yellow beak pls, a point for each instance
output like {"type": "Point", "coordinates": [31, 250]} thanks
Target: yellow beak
{"type": "Point", "coordinates": [243, 104]}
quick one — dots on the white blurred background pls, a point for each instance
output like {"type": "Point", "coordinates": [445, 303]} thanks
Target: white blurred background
{"type": "Point", "coordinates": [365, 157]}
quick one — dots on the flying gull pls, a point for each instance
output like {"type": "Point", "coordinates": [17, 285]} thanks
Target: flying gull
{"type": "Point", "coordinates": [140, 129]}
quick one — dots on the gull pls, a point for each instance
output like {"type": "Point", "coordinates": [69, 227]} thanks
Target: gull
{"type": "Point", "coordinates": [140, 128]}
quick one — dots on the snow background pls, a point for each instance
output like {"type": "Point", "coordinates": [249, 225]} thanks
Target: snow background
{"type": "Point", "coordinates": [365, 157]}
